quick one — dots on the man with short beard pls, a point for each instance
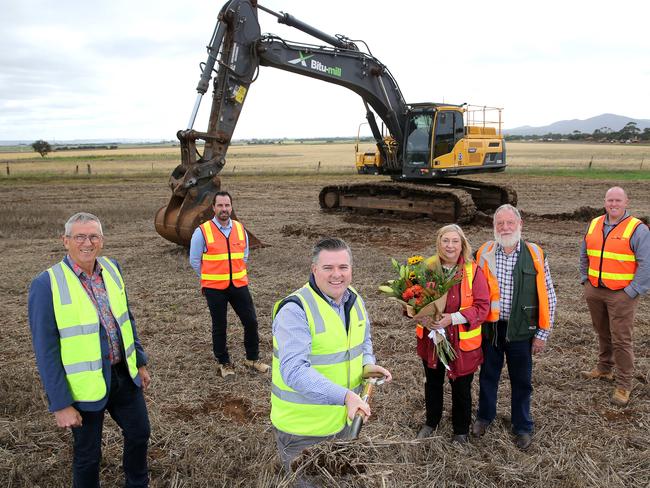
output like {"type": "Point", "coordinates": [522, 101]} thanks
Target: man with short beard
{"type": "Point", "coordinates": [522, 309]}
{"type": "Point", "coordinates": [219, 255]}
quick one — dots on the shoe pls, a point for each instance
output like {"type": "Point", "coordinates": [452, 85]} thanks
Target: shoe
{"type": "Point", "coordinates": [460, 438]}
{"type": "Point", "coordinates": [523, 441]}
{"type": "Point", "coordinates": [225, 370]}
{"type": "Point", "coordinates": [596, 374]}
{"type": "Point", "coordinates": [479, 427]}
{"type": "Point", "coordinates": [424, 432]}
{"type": "Point", "coordinates": [257, 365]}
{"type": "Point", "coordinates": [621, 397]}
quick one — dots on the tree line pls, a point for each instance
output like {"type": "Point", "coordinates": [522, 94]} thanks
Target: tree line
{"type": "Point", "coordinates": [629, 133]}
{"type": "Point", "coordinates": [43, 147]}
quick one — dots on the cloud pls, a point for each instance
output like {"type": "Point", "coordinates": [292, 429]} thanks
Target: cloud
{"type": "Point", "coordinates": [105, 67]}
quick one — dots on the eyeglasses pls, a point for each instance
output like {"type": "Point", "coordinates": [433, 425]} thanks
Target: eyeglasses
{"type": "Point", "coordinates": [81, 238]}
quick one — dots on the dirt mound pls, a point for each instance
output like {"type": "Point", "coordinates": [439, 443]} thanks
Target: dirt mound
{"type": "Point", "coordinates": [582, 214]}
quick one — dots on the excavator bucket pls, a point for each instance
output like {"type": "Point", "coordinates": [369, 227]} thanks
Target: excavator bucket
{"type": "Point", "coordinates": [178, 219]}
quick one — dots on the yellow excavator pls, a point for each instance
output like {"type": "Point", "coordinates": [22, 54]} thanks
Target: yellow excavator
{"type": "Point", "coordinates": [426, 145]}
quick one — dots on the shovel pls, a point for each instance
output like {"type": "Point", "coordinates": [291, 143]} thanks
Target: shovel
{"type": "Point", "coordinates": [369, 385]}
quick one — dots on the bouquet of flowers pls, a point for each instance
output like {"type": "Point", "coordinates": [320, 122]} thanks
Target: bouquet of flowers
{"type": "Point", "coordinates": [422, 292]}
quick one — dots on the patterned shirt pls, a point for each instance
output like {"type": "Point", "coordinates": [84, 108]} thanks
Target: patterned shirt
{"type": "Point", "coordinates": [96, 290]}
{"type": "Point", "coordinates": [505, 265]}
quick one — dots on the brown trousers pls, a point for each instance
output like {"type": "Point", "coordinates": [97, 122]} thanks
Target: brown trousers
{"type": "Point", "coordinates": [612, 315]}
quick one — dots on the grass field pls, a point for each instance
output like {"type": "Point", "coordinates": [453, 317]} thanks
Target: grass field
{"type": "Point", "coordinates": [533, 158]}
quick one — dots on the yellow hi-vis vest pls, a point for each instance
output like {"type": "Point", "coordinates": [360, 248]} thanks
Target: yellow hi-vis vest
{"type": "Point", "coordinates": [335, 354]}
{"type": "Point", "coordinates": [78, 324]}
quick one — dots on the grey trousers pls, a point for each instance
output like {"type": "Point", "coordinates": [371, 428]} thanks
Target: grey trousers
{"type": "Point", "coordinates": [290, 446]}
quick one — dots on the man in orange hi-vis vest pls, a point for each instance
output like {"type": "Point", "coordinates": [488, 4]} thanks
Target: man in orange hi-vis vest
{"type": "Point", "coordinates": [218, 254]}
{"type": "Point", "coordinates": [615, 270]}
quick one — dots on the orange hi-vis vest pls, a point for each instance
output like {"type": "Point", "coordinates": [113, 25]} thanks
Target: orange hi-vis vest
{"type": "Point", "coordinates": [611, 259]}
{"type": "Point", "coordinates": [223, 261]}
{"type": "Point", "coordinates": [485, 257]}
{"type": "Point", "coordinates": [469, 339]}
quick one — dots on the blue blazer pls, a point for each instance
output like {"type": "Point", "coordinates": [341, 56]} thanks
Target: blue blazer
{"type": "Point", "coordinates": [45, 340]}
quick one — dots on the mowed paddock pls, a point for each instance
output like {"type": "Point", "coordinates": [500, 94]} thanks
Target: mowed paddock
{"type": "Point", "coordinates": [207, 432]}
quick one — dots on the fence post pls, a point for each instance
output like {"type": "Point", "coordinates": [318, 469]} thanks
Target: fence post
{"type": "Point", "coordinates": [76, 169]}
{"type": "Point", "coordinates": [89, 172]}
{"type": "Point", "coordinates": [7, 168]}
{"type": "Point", "coordinates": [590, 161]}
{"type": "Point", "coordinates": [640, 166]}
{"type": "Point", "coordinates": [318, 168]}
{"type": "Point", "coordinates": [234, 168]}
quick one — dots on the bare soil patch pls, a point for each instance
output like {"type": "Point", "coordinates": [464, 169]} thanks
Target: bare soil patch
{"type": "Point", "coordinates": [209, 432]}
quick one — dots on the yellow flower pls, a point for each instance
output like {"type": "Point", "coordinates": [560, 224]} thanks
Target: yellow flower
{"type": "Point", "coordinates": [414, 260]}
{"type": "Point", "coordinates": [412, 275]}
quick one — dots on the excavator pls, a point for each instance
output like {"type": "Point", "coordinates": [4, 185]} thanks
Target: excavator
{"type": "Point", "coordinates": [426, 144]}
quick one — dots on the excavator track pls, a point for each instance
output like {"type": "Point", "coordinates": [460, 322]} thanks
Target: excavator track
{"type": "Point", "coordinates": [443, 205]}
{"type": "Point", "coordinates": [486, 196]}
{"type": "Point", "coordinates": [447, 200]}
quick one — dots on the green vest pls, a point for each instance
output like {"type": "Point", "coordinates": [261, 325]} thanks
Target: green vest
{"type": "Point", "coordinates": [78, 324]}
{"type": "Point", "coordinates": [335, 354]}
{"type": "Point", "coordinates": [524, 311]}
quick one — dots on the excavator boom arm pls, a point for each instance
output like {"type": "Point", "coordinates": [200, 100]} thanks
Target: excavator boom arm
{"type": "Point", "coordinates": [236, 50]}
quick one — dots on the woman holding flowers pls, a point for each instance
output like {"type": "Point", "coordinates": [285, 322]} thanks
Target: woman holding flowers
{"type": "Point", "coordinates": [467, 305]}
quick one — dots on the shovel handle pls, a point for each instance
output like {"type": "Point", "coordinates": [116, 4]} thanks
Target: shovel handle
{"type": "Point", "coordinates": [355, 429]}
{"type": "Point", "coordinates": [368, 390]}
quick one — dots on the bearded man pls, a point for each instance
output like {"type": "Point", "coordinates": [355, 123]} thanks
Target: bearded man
{"type": "Point", "coordinates": [522, 309]}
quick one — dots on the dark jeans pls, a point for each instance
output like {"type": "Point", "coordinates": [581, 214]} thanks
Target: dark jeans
{"type": "Point", "coordinates": [461, 398]}
{"type": "Point", "coordinates": [127, 407]}
{"type": "Point", "coordinates": [520, 368]}
{"type": "Point", "coordinates": [242, 303]}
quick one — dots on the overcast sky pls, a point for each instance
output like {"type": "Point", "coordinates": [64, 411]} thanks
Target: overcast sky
{"type": "Point", "coordinates": [128, 69]}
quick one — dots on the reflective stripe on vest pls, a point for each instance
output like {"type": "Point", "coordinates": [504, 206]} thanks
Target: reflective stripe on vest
{"type": "Point", "coordinates": [469, 339]}
{"type": "Point", "coordinates": [223, 261]}
{"type": "Point", "coordinates": [78, 325]}
{"type": "Point", "coordinates": [335, 354]}
{"type": "Point", "coordinates": [487, 262]}
{"type": "Point", "coordinates": [611, 260]}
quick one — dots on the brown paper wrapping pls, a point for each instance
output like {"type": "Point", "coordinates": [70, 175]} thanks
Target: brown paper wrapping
{"type": "Point", "coordinates": [433, 309]}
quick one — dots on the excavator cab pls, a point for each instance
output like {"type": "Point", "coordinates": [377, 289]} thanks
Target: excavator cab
{"type": "Point", "coordinates": [440, 143]}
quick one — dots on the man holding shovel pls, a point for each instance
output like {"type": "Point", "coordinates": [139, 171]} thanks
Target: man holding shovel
{"type": "Point", "coordinates": [322, 350]}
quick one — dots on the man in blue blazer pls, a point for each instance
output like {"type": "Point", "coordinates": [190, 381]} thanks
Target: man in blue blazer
{"type": "Point", "coordinates": [88, 353]}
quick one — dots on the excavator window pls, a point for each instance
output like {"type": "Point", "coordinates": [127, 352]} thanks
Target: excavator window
{"type": "Point", "coordinates": [449, 130]}
{"type": "Point", "coordinates": [418, 138]}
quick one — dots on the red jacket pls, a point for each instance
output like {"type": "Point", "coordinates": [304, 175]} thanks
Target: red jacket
{"type": "Point", "coordinates": [465, 362]}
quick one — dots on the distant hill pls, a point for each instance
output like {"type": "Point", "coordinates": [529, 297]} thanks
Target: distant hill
{"type": "Point", "coordinates": [587, 126]}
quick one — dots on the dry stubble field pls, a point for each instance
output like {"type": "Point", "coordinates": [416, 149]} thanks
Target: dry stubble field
{"type": "Point", "coordinates": [207, 432]}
